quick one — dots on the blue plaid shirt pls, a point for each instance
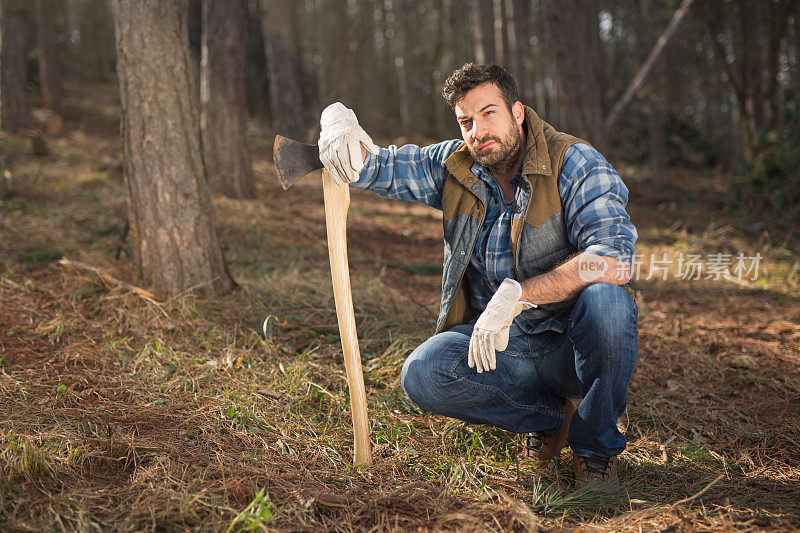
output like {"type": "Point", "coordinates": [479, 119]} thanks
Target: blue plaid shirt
{"type": "Point", "coordinates": [592, 193]}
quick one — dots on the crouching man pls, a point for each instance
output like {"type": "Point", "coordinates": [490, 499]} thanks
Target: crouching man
{"type": "Point", "coordinates": [537, 328]}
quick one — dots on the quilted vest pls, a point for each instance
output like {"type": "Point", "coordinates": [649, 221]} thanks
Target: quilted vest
{"type": "Point", "coordinates": [539, 240]}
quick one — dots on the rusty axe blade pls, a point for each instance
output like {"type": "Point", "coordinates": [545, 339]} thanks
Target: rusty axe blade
{"type": "Point", "coordinates": [294, 159]}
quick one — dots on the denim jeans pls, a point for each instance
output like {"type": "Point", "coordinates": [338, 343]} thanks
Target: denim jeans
{"type": "Point", "coordinates": [592, 359]}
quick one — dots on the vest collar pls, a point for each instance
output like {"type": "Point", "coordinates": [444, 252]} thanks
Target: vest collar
{"type": "Point", "coordinates": [537, 156]}
{"type": "Point", "coordinates": [535, 161]}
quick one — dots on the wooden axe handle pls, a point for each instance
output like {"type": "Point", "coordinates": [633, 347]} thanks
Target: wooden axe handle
{"type": "Point", "coordinates": [337, 201]}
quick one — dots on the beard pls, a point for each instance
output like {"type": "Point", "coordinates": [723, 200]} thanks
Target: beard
{"type": "Point", "coordinates": [503, 155]}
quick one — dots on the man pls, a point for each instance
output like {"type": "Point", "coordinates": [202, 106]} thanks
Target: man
{"type": "Point", "coordinates": [537, 327]}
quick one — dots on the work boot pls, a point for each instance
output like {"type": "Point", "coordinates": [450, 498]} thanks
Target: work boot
{"type": "Point", "coordinates": [601, 471]}
{"type": "Point", "coordinates": [546, 445]}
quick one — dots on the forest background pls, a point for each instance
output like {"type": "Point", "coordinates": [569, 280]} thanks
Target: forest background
{"type": "Point", "coordinates": [173, 362]}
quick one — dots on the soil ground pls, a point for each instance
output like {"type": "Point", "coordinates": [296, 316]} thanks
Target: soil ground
{"type": "Point", "coordinates": [126, 413]}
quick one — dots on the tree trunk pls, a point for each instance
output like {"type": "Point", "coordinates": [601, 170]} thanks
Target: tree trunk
{"type": "Point", "coordinates": [96, 49]}
{"type": "Point", "coordinates": [409, 67]}
{"type": "Point", "coordinates": [169, 206]}
{"type": "Point", "coordinates": [656, 119]}
{"type": "Point", "coordinates": [223, 97]}
{"type": "Point", "coordinates": [49, 65]}
{"type": "Point", "coordinates": [500, 51]}
{"type": "Point", "coordinates": [288, 96]}
{"type": "Point", "coordinates": [578, 84]}
{"type": "Point", "coordinates": [367, 92]}
{"type": "Point", "coordinates": [737, 80]}
{"type": "Point", "coordinates": [14, 110]}
{"type": "Point", "coordinates": [750, 14]}
{"type": "Point", "coordinates": [482, 24]}
{"type": "Point", "coordinates": [444, 67]}
{"type": "Point", "coordinates": [779, 16]}
{"type": "Point", "coordinates": [514, 23]}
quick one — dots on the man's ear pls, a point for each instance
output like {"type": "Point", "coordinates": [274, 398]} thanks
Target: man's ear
{"type": "Point", "coordinates": [519, 112]}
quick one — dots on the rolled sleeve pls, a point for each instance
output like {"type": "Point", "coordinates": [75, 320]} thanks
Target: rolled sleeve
{"type": "Point", "coordinates": [594, 199]}
{"type": "Point", "coordinates": [408, 172]}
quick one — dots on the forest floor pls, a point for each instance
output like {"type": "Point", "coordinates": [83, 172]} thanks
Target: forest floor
{"type": "Point", "coordinates": [125, 413]}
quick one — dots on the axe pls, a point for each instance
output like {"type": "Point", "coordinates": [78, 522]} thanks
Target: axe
{"type": "Point", "coordinates": [293, 160]}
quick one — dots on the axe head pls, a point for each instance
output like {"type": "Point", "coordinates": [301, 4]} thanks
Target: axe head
{"type": "Point", "coordinates": [294, 159]}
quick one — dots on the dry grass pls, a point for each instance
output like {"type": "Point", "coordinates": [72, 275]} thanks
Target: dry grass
{"type": "Point", "coordinates": [124, 414]}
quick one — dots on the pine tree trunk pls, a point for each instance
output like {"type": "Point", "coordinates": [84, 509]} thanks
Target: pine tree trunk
{"type": "Point", "coordinates": [514, 22]}
{"type": "Point", "coordinates": [367, 92]}
{"type": "Point", "coordinates": [288, 96]}
{"type": "Point", "coordinates": [96, 49]}
{"type": "Point", "coordinates": [482, 24]}
{"type": "Point", "coordinates": [169, 206]}
{"type": "Point", "coordinates": [499, 33]}
{"type": "Point", "coordinates": [223, 97]}
{"type": "Point", "coordinates": [656, 119]}
{"type": "Point", "coordinates": [445, 65]}
{"type": "Point", "coordinates": [14, 110]}
{"type": "Point", "coordinates": [49, 65]}
{"type": "Point", "coordinates": [578, 83]}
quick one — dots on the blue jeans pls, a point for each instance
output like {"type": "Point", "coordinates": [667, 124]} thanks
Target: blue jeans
{"type": "Point", "coordinates": [592, 359]}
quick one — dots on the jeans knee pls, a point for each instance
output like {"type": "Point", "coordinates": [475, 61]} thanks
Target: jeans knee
{"type": "Point", "coordinates": [416, 382]}
{"type": "Point", "coordinates": [429, 373]}
{"type": "Point", "coordinates": [604, 326]}
{"type": "Point", "coordinates": [608, 309]}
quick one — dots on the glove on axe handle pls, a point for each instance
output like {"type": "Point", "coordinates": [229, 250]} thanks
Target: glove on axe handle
{"type": "Point", "coordinates": [294, 159]}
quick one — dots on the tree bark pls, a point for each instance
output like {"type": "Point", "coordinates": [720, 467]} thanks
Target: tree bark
{"type": "Point", "coordinates": [779, 15]}
{"type": "Point", "coordinates": [444, 67]}
{"type": "Point", "coordinates": [514, 23]}
{"type": "Point", "coordinates": [750, 16]}
{"type": "Point", "coordinates": [482, 24]}
{"type": "Point", "coordinates": [578, 84]}
{"type": "Point", "coordinates": [367, 92]}
{"type": "Point", "coordinates": [49, 64]}
{"type": "Point", "coordinates": [500, 49]}
{"type": "Point", "coordinates": [96, 48]}
{"type": "Point", "coordinates": [169, 206]}
{"type": "Point", "coordinates": [14, 110]}
{"type": "Point", "coordinates": [737, 81]}
{"type": "Point", "coordinates": [223, 97]}
{"type": "Point", "coordinates": [288, 96]}
{"type": "Point", "coordinates": [656, 118]}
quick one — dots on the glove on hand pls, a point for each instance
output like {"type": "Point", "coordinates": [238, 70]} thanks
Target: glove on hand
{"type": "Point", "coordinates": [340, 143]}
{"type": "Point", "coordinates": [493, 326]}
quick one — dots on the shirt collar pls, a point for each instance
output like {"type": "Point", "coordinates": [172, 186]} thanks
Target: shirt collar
{"type": "Point", "coordinates": [483, 173]}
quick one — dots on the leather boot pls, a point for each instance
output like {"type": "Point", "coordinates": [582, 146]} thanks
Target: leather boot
{"type": "Point", "coordinates": [603, 472]}
{"type": "Point", "coordinates": [546, 445]}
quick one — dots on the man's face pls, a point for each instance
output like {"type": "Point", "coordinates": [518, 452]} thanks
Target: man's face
{"type": "Point", "coordinates": [492, 133]}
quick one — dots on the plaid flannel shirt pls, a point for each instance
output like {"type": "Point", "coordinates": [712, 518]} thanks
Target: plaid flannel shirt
{"type": "Point", "coordinates": [593, 198]}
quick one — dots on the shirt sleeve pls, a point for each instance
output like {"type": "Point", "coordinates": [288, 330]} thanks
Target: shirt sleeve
{"type": "Point", "coordinates": [408, 172]}
{"type": "Point", "coordinates": [594, 199]}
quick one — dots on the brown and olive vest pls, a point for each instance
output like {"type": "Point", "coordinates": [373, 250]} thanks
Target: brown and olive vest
{"type": "Point", "coordinates": [539, 239]}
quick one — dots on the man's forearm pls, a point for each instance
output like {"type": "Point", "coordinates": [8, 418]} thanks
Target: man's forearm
{"type": "Point", "coordinates": [567, 280]}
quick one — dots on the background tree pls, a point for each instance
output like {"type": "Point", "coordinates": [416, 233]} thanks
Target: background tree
{"type": "Point", "coordinates": [288, 89]}
{"type": "Point", "coordinates": [47, 12]}
{"type": "Point", "coordinates": [223, 97]}
{"type": "Point", "coordinates": [482, 25]}
{"type": "Point", "coordinates": [169, 207]}
{"type": "Point", "coordinates": [569, 25]}
{"type": "Point", "coordinates": [725, 91]}
{"type": "Point", "coordinates": [14, 109]}
{"type": "Point", "coordinates": [95, 52]}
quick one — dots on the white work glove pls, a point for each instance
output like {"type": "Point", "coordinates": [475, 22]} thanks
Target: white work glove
{"type": "Point", "coordinates": [340, 141]}
{"type": "Point", "coordinates": [493, 326]}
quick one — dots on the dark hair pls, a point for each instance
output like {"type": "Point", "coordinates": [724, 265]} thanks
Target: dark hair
{"type": "Point", "coordinates": [471, 75]}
